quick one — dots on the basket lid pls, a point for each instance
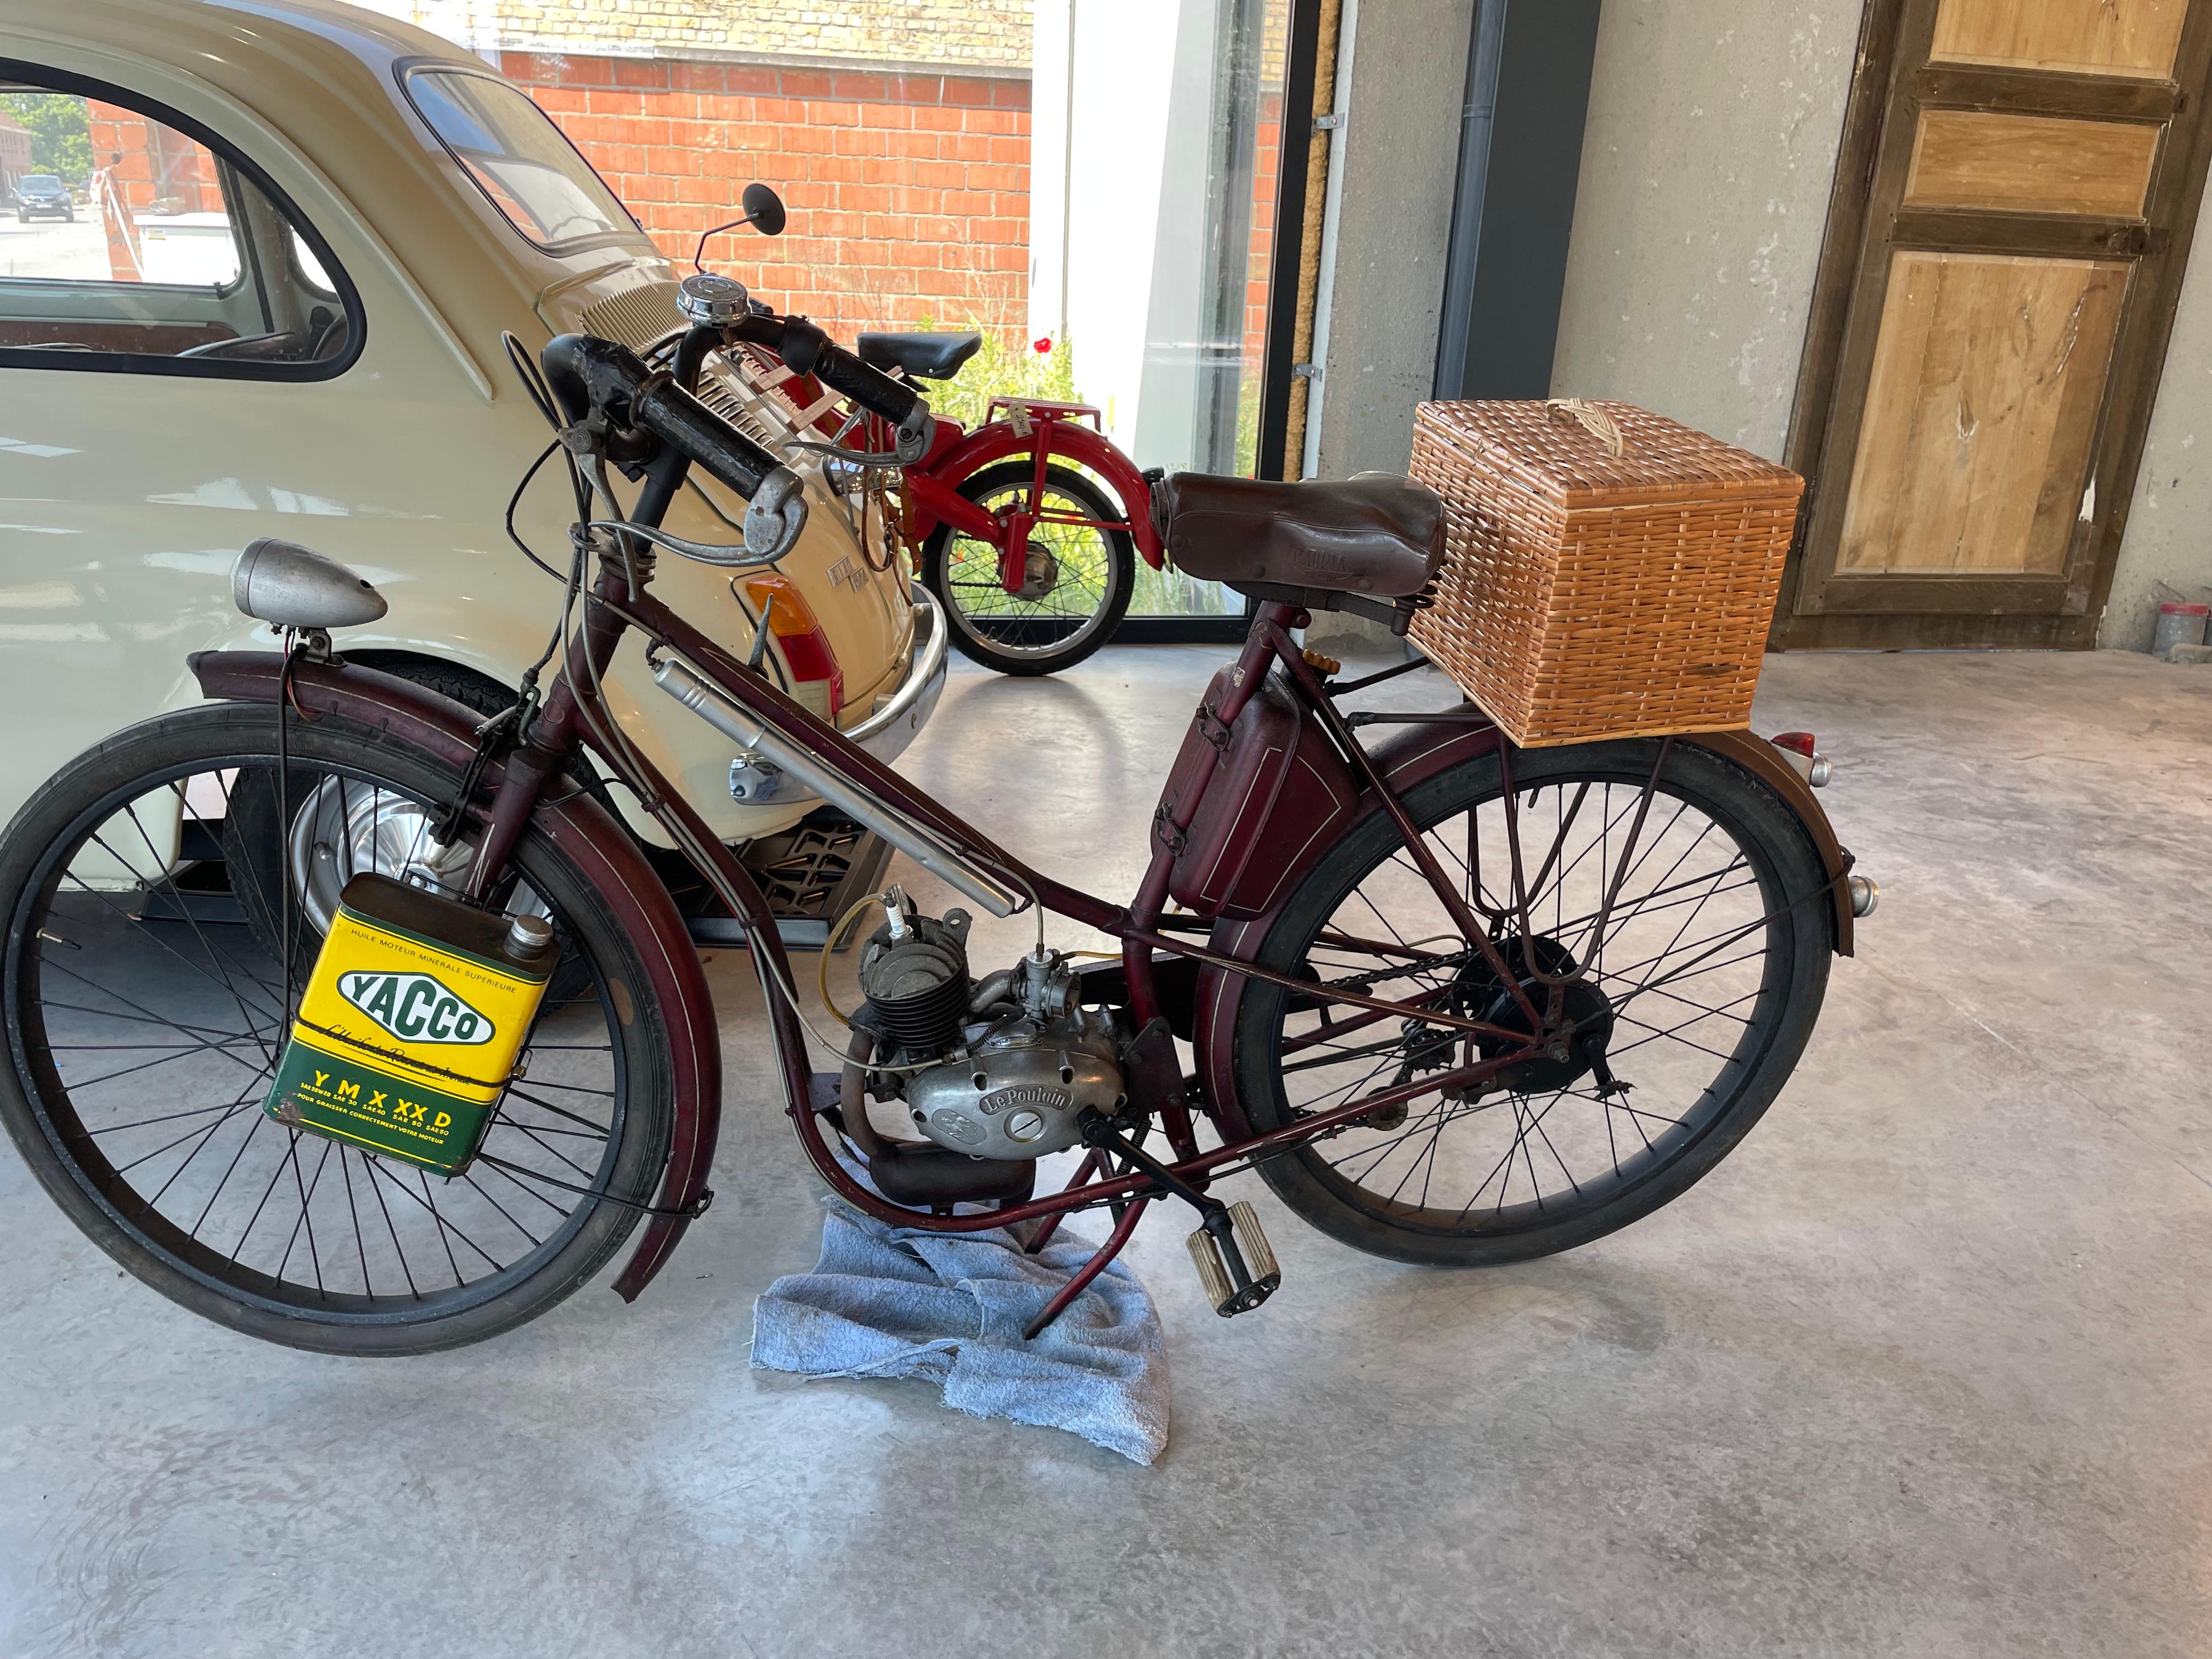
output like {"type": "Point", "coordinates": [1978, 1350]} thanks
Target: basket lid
{"type": "Point", "coordinates": [1599, 453]}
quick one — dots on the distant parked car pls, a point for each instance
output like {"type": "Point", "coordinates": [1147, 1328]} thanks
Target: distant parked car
{"type": "Point", "coordinates": [42, 196]}
{"type": "Point", "coordinates": [319, 223]}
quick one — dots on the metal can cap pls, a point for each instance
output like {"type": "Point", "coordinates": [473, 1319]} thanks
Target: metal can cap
{"type": "Point", "coordinates": [527, 935]}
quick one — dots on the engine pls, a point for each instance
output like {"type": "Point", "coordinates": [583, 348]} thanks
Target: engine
{"type": "Point", "coordinates": [1022, 1057]}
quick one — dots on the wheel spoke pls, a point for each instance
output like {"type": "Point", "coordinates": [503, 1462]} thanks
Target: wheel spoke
{"type": "Point", "coordinates": [129, 933]}
{"type": "Point", "coordinates": [1676, 1000]}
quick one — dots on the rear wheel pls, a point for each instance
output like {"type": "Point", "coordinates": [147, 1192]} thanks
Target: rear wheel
{"type": "Point", "coordinates": [1690, 1010]}
{"type": "Point", "coordinates": [145, 1017]}
{"type": "Point", "coordinates": [1078, 578]}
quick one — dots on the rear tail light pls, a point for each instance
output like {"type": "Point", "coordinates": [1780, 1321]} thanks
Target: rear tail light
{"type": "Point", "coordinates": [817, 680]}
{"type": "Point", "coordinates": [1812, 765]}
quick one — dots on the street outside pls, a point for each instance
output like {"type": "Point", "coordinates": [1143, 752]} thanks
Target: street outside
{"type": "Point", "coordinates": [53, 249]}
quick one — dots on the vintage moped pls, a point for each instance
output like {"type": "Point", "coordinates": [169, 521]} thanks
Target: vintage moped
{"type": "Point", "coordinates": [1453, 1001]}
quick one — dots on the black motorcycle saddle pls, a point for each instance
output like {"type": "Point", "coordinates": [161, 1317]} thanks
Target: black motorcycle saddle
{"type": "Point", "coordinates": [923, 356]}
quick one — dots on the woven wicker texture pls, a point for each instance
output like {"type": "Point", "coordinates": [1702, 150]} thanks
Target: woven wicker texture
{"type": "Point", "coordinates": [1589, 595]}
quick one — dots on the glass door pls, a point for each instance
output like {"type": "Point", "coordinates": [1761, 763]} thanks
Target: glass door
{"type": "Point", "coordinates": [1156, 131]}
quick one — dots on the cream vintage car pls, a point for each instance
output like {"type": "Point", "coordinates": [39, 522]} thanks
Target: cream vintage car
{"type": "Point", "coordinates": [281, 316]}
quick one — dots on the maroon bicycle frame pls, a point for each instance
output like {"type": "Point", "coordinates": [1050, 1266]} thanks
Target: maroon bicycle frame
{"type": "Point", "coordinates": [533, 783]}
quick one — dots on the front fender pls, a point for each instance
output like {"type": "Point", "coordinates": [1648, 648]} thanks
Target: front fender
{"type": "Point", "coordinates": [1088, 449]}
{"type": "Point", "coordinates": [610, 860]}
{"type": "Point", "coordinates": [1411, 756]}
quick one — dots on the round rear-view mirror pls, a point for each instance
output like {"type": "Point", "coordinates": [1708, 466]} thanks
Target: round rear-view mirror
{"type": "Point", "coordinates": [765, 209]}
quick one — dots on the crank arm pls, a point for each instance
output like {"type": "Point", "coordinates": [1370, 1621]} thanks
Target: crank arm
{"type": "Point", "coordinates": [1227, 1234]}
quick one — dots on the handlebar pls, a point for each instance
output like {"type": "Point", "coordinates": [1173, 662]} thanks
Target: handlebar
{"type": "Point", "coordinates": [593, 377]}
{"type": "Point", "coordinates": [805, 349]}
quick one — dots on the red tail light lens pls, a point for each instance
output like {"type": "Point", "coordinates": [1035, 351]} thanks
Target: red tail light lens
{"type": "Point", "coordinates": [1798, 743]}
{"type": "Point", "coordinates": [805, 647]}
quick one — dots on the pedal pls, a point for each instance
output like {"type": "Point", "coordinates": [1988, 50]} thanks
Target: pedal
{"type": "Point", "coordinates": [1234, 1264]}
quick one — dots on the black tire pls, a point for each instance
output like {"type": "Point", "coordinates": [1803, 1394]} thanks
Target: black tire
{"type": "Point", "coordinates": [131, 954]}
{"type": "Point", "coordinates": [1018, 636]}
{"type": "Point", "coordinates": [465, 686]}
{"type": "Point", "coordinates": [1336, 1184]}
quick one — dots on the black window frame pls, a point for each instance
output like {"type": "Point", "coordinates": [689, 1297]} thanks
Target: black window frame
{"type": "Point", "coordinates": [404, 71]}
{"type": "Point", "coordinates": [23, 73]}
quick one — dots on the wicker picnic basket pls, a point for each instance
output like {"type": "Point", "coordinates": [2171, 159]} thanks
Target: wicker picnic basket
{"type": "Point", "coordinates": [1609, 572]}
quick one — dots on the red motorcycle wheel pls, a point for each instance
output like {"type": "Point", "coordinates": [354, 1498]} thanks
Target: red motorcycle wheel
{"type": "Point", "coordinates": [1085, 574]}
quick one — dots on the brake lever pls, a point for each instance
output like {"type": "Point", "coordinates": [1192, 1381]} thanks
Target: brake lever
{"type": "Point", "coordinates": [776, 516]}
{"type": "Point", "coordinates": [773, 522]}
{"type": "Point", "coordinates": [917, 435]}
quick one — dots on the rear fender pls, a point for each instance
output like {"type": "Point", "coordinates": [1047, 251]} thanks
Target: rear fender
{"type": "Point", "coordinates": [1086, 448]}
{"type": "Point", "coordinates": [610, 860]}
{"type": "Point", "coordinates": [1409, 756]}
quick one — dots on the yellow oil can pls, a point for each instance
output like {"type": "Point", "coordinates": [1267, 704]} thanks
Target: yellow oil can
{"type": "Point", "coordinates": [409, 1028]}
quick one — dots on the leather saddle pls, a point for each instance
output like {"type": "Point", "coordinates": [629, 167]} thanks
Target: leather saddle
{"type": "Point", "coordinates": [1370, 545]}
{"type": "Point", "coordinates": [923, 356]}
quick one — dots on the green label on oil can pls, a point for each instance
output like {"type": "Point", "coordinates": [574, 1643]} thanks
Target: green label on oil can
{"type": "Point", "coordinates": [338, 1094]}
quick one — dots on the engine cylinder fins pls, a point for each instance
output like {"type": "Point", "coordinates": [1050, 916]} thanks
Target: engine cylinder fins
{"type": "Point", "coordinates": [914, 973]}
{"type": "Point", "coordinates": [922, 1008]}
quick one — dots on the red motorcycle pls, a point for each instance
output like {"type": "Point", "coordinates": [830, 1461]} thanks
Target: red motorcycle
{"type": "Point", "coordinates": [1028, 526]}
{"type": "Point", "coordinates": [1453, 1001]}
{"type": "Point", "coordinates": [1027, 529]}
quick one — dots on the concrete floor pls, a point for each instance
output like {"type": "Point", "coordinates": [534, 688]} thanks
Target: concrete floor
{"type": "Point", "coordinates": [1923, 1368]}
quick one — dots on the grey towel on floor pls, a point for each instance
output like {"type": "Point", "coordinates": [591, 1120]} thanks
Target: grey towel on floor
{"type": "Point", "coordinates": [951, 1308]}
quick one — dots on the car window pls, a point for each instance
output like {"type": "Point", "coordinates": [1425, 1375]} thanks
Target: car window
{"type": "Point", "coordinates": [533, 174]}
{"type": "Point", "coordinates": [134, 244]}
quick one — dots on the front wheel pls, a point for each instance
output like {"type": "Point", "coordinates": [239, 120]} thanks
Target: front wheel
{"type": "Point", "coordinates": [1691, 1003]}
{"type": "Point", "coordinates": [1076, 581]}
{"type": "Point", "coordinates": [145, 1013]}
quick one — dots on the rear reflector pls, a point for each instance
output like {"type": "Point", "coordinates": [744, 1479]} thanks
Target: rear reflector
{"type": "Point", "coordinates": [1811, 764]}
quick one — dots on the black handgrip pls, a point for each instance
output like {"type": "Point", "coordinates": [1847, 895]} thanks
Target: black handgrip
{"type": "Point", "coordinates": [589, 376]}
{"type": "Point", "coordinates": [678, 418]}
{"type": "Point", "coordinates": [808, 350]}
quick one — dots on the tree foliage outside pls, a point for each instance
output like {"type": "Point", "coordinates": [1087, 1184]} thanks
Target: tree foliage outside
{"type": "Point", "coordinates": [61, 133]}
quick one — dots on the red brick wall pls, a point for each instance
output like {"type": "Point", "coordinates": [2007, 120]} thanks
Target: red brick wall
{"type": "Point", "coordinates": [145, 163]}
{"type": "Point", "coordinates": [1260, 257]}
{"type": "Point", "coordinates": [909, 193]}
{"type": "Point", "coordinates": [149, 162]}
{"type": "Point", "coordinates": [14, 149]}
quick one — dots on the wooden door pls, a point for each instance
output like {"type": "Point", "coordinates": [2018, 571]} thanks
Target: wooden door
{"type": "Point", "coordinates": [2013, 204]}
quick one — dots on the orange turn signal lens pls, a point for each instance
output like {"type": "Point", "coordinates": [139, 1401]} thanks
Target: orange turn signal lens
{"type": "Point", "coordinates": [791, 623]}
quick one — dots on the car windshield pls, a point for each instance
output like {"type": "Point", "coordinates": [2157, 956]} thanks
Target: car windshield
{"type": "Point", "coordinates": [520, 159]}
{"type": "Point", "coordinates": [40, 181]}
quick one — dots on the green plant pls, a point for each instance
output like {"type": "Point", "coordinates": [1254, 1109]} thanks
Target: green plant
{"type": "Point", "coordinates": [61, 133]}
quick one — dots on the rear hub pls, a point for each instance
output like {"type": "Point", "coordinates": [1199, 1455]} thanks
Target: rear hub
{"type": "Point", "coordinates": [1574, 1024]}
